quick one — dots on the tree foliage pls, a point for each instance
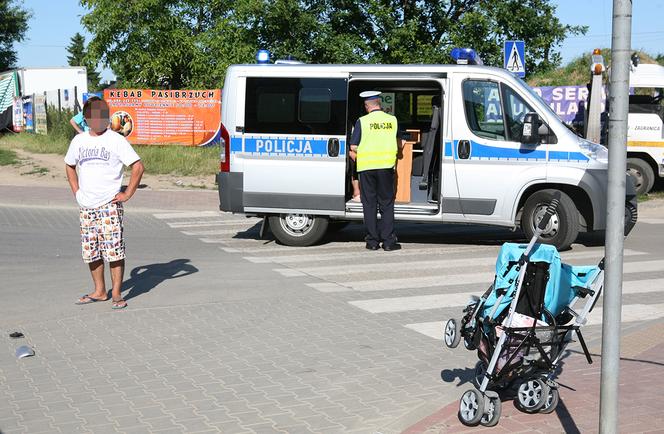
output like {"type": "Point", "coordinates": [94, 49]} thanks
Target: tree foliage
{"type": "Point", "coordinates": [78, 57]}
{"type": "Point", "coordinates": [13, 26]}
{"type": "Point", "coordinates": [190, 43]}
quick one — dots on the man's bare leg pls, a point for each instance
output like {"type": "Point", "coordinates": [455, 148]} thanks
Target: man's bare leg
{"type": "Point", "coordinates": [97, 272]}
{"type": "Point", "coordinates": [117, 274]}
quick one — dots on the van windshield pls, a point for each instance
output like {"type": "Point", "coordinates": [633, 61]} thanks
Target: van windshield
{"type": "Point", "coordinates": [531, 92]}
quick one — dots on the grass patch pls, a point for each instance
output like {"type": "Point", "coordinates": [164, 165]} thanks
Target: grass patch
{"type": "Point", "coordinates": [36, 170]}
{"type": "Point", "coordinates": [651, 196]}
{"type": "Point", "coordinates": [35, 143]}
{"type": "Point", "coordinates": [7, 157]}
{"type": "Point", "coordinates": [158, 160]}
{"type": "Point", "coordinates": [180, 160]}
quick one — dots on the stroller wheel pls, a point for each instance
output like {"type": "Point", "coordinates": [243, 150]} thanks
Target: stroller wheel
{"type": "Point", "coordinates": [452, 336]}
{"type": "Point", "coordinates": [532, 394]}
{"type": "Point", "coordinates": [551, 401]}
{"type": "Point", "coordinates": [471, 407]}
{"type": "Point", "coordinates": [492, 412]}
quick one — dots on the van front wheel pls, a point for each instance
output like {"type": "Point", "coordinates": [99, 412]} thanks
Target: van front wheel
{"type": "Point", "coordinates": [298, 229]}
{"type": "Point", "coordinates": [563, 227]}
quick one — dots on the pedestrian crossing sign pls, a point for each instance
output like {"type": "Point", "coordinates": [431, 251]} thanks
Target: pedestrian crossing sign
{"type": "Point", "coordinates": [515, 55]}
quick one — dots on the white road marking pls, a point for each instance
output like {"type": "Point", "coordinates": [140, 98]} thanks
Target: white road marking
{"type": "Point", "coordinates": [459, 299]}
{"type": "Point", "coordinates": [219, 231]}
{"type": "Point", "coordinates": [630, 313]}
{"type": "Point", "coordinates": [651, 221]}
{"type": "Point", "coordinates": [307, 256]}
{"type": "Point", "coordinates": [202, 223]}
{"type": "Point", "coordinates": [487, 261]}
{"type": "Point", "coordinates": [187, 214]}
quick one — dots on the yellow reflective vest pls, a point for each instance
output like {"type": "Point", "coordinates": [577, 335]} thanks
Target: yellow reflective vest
{"type": "Point", "coordinates": [378, 143]}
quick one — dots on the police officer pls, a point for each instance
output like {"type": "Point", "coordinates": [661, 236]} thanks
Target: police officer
{"type": "Point", "coordinates": [374, 145]}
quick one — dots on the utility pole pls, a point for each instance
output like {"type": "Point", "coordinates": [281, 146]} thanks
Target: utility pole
{"type": "Point", "coordinates": [619, 104]}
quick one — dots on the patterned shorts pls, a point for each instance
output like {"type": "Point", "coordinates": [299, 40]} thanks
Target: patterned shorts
{"type": "Point", "coordinates": [102, 233]}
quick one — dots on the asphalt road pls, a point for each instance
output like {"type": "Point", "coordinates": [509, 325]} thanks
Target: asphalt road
{"type": "Point", "coordinates": [227, 332]}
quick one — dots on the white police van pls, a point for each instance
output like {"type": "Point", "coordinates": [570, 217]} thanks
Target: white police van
{"type": "Point", "coordinates": [498, 156]}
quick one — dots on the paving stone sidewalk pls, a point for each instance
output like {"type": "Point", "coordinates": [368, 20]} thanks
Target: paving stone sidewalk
{"type": "Point", "coordinates": [640, 405]}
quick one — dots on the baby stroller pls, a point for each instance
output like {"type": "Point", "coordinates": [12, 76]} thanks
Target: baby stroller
{"type": "Point", "coordinates": [522, 324]}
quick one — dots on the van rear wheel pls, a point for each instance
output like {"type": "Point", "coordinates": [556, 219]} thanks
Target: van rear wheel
{"type": "Point", "coordinates": [563, 228]}
{"type": "Point", "coordinates": [298, 229]}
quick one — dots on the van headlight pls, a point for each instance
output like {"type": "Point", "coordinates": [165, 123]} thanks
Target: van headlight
{"type": "Point", "coordinates": [594, 151]}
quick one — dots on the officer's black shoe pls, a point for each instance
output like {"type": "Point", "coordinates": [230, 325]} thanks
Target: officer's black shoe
{"type": "Point", "coordinates": [423, 185]}
{"type": "Point", "coordinates": [372, 246]}
{"type": "Point", "coordinates": [391, 247]}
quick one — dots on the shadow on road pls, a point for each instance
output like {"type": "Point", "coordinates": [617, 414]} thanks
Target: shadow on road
{"type": "Point", "coordinates": [145, 278]}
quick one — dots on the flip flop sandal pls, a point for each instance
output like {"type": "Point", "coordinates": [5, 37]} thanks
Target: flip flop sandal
{"type": "Point", "coordinates": [86, 299]}
{"type": "Point", "coordinates": [119, 304]}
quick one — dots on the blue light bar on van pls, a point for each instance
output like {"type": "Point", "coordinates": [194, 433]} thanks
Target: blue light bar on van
{"type": "Point", "coordinates": [466, 56]}
{"type": "Point", "coordinates": [263, 56]}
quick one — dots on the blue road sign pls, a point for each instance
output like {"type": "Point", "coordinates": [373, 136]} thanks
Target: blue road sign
{"type": "Point", "coordinates": [514, 54]}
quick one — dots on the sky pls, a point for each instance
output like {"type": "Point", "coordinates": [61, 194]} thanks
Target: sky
{"type": "Point", "coordinates": [55, 22]}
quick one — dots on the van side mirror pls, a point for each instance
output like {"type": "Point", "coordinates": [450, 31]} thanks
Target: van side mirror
{"type": "Point", "coordinates": [530, 133]}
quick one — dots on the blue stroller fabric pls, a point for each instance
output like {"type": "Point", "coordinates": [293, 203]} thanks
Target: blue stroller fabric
{"type": "Point", "coordinates": [559, 289]}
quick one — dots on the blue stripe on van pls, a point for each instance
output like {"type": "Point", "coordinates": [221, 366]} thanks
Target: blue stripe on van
{"type": "Point", "coordinates": [448, 149]}
{"type": "Point", "coordinates": [567, 156]}
{"type": "Point", "coordinates": [280, 145]}
{"type": "Point", "coordinates": [480, 151]}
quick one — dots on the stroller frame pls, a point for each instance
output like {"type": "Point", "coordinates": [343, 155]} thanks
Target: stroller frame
{"type": "Point", "coordinates": [526, 353]}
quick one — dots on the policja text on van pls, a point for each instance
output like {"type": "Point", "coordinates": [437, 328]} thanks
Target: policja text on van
{"type": "Point", "coordinates": [284, 146]}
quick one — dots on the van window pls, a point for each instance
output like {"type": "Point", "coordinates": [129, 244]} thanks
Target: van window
{"type": "Point", "coordinates": [516, 109]}
{"type": "Point", "coordinates": [315, 105]}
{"type": "Point", "coordinates": [484, 109]}
{"type": "Point", "coordinates": [295, 106]}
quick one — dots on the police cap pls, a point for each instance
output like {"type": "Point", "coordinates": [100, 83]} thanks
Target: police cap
{"type": "Point", "coordinates": [370, 94]}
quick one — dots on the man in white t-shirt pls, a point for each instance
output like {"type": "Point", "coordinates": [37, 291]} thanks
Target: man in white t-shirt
{"type": "Point", "coordinates": [94, 164]}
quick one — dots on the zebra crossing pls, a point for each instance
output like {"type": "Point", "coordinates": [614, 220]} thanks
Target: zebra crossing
{"type": "Point", "coordinates": [427, 281]}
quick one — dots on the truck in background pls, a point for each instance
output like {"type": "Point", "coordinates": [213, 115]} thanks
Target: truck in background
{"type": "Point", "coordinates": [586, 110]}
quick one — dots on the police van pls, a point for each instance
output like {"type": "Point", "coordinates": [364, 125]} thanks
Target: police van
{"type": "Point", "coordinates": [498, 151]}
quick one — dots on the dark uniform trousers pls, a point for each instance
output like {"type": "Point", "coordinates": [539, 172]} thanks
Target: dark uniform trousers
{"type": "Point", "coordinates": [377, 187]}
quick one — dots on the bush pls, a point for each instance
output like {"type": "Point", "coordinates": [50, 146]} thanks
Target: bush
{"type": "Point", "coordinates": [59, 128]}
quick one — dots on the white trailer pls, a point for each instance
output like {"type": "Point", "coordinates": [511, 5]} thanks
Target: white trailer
{"type": "Point", "coordinates": [62, 85]}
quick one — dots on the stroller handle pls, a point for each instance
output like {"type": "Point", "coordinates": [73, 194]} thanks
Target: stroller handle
{"type": "Point", "coordinates": [550, 211]}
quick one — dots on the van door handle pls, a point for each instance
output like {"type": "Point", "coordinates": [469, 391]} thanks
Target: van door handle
{"type": "Point", "coordinates": [333, 147]}
{"type": "Point", "coordinates": [463, 149]}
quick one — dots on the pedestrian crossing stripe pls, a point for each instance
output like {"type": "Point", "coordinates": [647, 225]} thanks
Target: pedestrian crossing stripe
{"type": "Point", "coordinates": [214, 227]}
{"type": "Point", "coordinates": [460, 299]}
{"type": "Point", "coordinates": [630, 313]}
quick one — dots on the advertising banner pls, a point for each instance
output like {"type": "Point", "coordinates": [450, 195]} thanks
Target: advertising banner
{"type": "Point", "coordinates": [28, 115]}
{"type": "Point", "coordinates": [568, 102]}
{"type": "Point", "coordinates": [40, 114]}
{"type": "Point", "coordinates": [166, 117]}
{"type": "Point", "coordinates": [17, 118]}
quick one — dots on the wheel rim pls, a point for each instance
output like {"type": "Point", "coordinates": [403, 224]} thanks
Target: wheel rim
{"type": "Point", "coordinates": [450, 332]}
{"type": "Point", "coordinates": [552, 228]}
{"type": "Point", "coordinates": [637, 176]}
{"type": "Point", "coordinates": [296, 225]}
{"type": "Point", "coordinates": [469, 405]}
{"type": "Point", "coordinates": [530, 393]}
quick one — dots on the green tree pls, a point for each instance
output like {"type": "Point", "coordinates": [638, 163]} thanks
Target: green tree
{"type": "Point", "coordinates": [79, 57]}
{"type": "Point", "coordinates": [190, 43]}
{"type": "Point", "coordinates": [13, 26]}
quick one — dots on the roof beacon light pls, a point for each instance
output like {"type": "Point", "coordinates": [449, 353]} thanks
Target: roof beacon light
{"type": "Point", "coordinates": [263, 56]}
{"type": "Point", "coordinates": [466, 56]}
{"type": "Point", "coordinates": [597, 66]}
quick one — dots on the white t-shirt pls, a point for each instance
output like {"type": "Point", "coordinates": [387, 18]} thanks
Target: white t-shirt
{"type": "Point", "coordinates": [100, 161]}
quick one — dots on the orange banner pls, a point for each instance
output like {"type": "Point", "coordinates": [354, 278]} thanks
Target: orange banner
{"type": "Point", "coordinates": [166, 117]}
